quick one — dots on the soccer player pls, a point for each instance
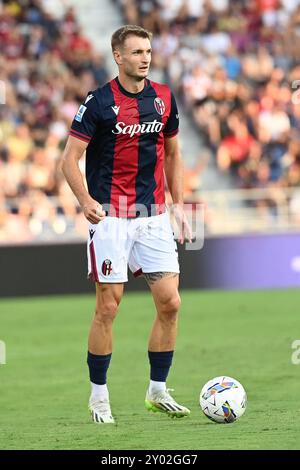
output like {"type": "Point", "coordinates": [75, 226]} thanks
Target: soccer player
{"type": "Point", "coordinates": [129, 131]}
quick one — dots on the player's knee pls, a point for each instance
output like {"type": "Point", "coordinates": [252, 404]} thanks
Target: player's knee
{"type": "Point", "coordinates": [107, 311]}
{"type": "Point", "coordinates": [170, 307]}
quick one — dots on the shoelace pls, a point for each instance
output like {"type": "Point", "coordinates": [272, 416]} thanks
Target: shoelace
{"type": "Point", "coordinates": [165, 396]}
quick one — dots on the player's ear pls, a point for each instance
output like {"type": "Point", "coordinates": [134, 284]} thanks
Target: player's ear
{"type": "Point", "coordinates": [117, 56]}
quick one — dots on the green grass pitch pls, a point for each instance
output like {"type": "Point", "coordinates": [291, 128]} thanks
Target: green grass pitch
{"type": "Point", "coordinates": [44, 385]}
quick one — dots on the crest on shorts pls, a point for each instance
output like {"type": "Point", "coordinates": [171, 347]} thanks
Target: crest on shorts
{"type": "Point", "coordinates": [159, 105]}
{"type": "Point", "coordinates": [106, 267]}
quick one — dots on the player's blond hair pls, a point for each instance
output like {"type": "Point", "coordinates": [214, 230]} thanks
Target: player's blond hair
{"type": "Point", "coordinates": [119, 36]}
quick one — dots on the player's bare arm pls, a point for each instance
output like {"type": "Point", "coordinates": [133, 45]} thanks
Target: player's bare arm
{"type": "Point", "coordinates": [74, 150]}
{"type": "Point", "coordinates": [174, 176]}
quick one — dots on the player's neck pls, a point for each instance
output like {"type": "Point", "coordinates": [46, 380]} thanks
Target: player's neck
{"type": "Point", "coordinates": [131, 85]}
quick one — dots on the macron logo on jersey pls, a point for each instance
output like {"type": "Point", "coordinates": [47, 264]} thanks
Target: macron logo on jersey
{"type": "Point", "coordinates": [88, 98]}
{"type": "Point", "coordinates": [132, 129]}
{"type": "Point", "coordinates": [116, 109]}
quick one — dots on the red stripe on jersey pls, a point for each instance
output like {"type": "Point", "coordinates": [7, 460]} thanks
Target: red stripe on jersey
{"type": "Point", "coordinates": [125, 165]}
{"type": "Point", "coordinates": [163, 92]}
{"type": "Point", "coordinates": [80, 133]}
{"type": "Point", "coordinates": [93, 262]}
{"type": "Point", "coordinates": [78, 136]}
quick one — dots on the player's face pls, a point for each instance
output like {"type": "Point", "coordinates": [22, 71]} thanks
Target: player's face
{"type": "Point", "coordinates": [135, 57]}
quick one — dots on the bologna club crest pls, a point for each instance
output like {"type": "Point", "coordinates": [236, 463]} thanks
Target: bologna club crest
{"type": "Point", "coordinates": [106, 267]}
{"type": "Point", "coordinates": [159, 105]}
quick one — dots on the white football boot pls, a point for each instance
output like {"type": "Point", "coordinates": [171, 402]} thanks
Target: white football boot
{"type": "Point", "coordinates": [100, 411]}
{"type": "Point", "coordinates": [163, 402]}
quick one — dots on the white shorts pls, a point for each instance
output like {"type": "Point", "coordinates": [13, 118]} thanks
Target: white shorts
{"type": "Point", "coordinates": [145, 244]}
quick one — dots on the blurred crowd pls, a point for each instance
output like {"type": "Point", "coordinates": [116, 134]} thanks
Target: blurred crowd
{"type": "Point", "coordinates": [47, 66]}
{"type": "Point", "coordinates": [235, 64]}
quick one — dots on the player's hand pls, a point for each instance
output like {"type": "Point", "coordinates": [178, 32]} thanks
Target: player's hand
{"type": "Point", "coordinates": [93, 211]}
{"type": "Point", "coordinates": [185, 231]}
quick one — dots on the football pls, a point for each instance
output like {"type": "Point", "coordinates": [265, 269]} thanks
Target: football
{"type": "Point", "coordinates": [223, 399]}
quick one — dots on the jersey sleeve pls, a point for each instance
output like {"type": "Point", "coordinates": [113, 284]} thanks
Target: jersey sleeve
{"type": "Point", "coordinates": [172, 125]}
{"type": "Point", "coordinates": [86, 119]}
